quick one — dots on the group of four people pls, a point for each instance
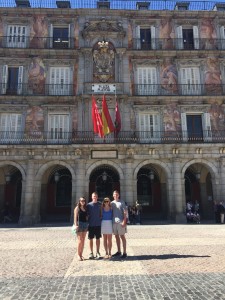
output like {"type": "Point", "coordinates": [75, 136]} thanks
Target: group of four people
{"type": "Point", "coordinates": [99, 219]}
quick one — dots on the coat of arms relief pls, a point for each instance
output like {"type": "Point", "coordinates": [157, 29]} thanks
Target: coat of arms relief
{"type": "Point", "coordinates": [103, 62]}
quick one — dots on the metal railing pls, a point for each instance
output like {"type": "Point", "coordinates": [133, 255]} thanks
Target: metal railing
{"type": "Point", "coordinates": [179, 44]}
{"type": "Point", "coordinates": [124, 137]}
{"type": "Point", "coordinates": [117, 4]}
{"type": "Point", "coordinates": [36, 88]}
{"type": "Point", "coordinates": [167, 89]}
{"type": "Point", "coordinates": [14, 41]}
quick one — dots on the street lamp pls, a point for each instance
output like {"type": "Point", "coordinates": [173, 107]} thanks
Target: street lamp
{"type": "Point", "coordinates": [7, 178]}
{"type": "Point", "coordinates": [151, 175]}
{"type": "Point", "coordinates": [104, 176]}
{"type": "Point", "coordinates": [56, 177]}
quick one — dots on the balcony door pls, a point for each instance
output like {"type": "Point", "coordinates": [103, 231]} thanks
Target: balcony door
{"type": "Point", "coordinates": [61, 37]}
{"type": "Point", "coordinates": [16, 36]}
{"type": "Point", "coordinates": [12, 79]}
{"type": "Point", "coordinates": [147, 81]}
{"type": "Point", "coordinates": [194, 127]}
{"type": "Point", "coordinates": [190, 79]}
{"type": "Point", "coordinates": [58, 128]}
{"type": "Point", "coordinates": [10, 127]}
{"type": "Point", "coordinates": [149, 128]}
{"type": "Point", "coordinates": [60, 81]}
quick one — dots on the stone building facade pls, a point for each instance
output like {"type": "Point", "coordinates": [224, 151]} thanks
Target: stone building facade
{"type": "Point", "coordinates": [165, 69]}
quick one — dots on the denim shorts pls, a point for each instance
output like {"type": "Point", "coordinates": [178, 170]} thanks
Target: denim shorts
{"type": "Point", "coordinates": [83, 226]}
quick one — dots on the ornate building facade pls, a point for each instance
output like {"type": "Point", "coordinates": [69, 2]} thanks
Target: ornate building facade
{"type": "Point", "coordinates": [165, 68]}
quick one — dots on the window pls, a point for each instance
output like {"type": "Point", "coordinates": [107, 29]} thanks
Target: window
{"type": "Point", "coordinates": [17, 36]}
{"type": "Point", "coordinates": [190, 80]}
{"type": "Point", "coordinates": [60, 37]}
{"type": "Point", "coordinates": [149, 128]}
{"type": "Point", "coordinates": [58, 127]}
{"type": "Point", "coordinates": [10, 127]}
{"type": "Point", "coordinates": [196, 127]}
{"type": "Point", "coordinates": [146, 38]}
{"type": "Point", "coordinates": [12, 80]}
{"type": "Point", "coordinates": [147, 81]}
{"type": "Point", "coordinates": [60, 81]}
{"type": "Point", "coordinates": [222, 37]}
{"type": "Point", "coordinates": [187, 38]}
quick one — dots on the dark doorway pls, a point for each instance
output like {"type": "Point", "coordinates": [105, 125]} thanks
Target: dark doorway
{"type": "Point", "coordinates": [194, 128]}
{"type": "Point", "coordinates": [12, 83]}
{"type": "Point", "coordinates": [104, 180]}
{"type": "Point", "coordinates": [60, 38]}
{"type": "Point", "coordinates": [145, 35]}
{"type": "Point", "coordinates": [188, 39]}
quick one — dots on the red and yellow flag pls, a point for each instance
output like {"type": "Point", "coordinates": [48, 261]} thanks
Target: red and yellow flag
{"type": "Point", "coordinates": [107, 123]}
{"type": "Point", "coordinates": [96, 119]}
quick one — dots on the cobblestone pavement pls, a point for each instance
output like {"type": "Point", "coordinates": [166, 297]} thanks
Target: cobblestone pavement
{"type": "Point", "coordinates": [165, 262]}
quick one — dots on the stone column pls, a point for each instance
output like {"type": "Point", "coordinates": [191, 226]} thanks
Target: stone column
{"type": "Point", "coordinates": [37, 201]}
{"type": "Point", "coordinates": [178, 188]}
{"type": "Point", "coordinates": [27, 217]}
{"type": "Point", "coordinates": [222, 179]}
{"type": "Point", "coordinates": [127, 193]}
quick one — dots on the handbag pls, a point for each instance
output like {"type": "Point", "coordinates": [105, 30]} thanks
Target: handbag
{"type": "Point", "coordinates": [74, 230]}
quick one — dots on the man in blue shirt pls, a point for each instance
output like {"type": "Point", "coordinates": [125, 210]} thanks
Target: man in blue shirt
{"type": "Point", "coordinates": [94, 220]}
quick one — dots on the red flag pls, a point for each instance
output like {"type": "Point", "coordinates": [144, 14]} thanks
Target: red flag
{"type": "Point", "coordinates": [96, 118]}
{"type": "Point", "coordinates": [108, 126]}
{"type": "Point", "coordinates": [117, 120]}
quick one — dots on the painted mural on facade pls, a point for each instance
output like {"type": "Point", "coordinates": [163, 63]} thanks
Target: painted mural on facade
{"type": "Point", "coordinates": [37, 76]}
{"type": "Point", "coordinates": [39, 32]}
{"type": "Point", "coordinates": [171, 120]}
{"type": "Point", "coordinates": [208, 34]}
{"type": "Point", "coordinates": [166, 34]}
{"type": "Point", "coordinates": [213, 83]}
{"type": "Point", "coordinates": [169, 76]}
{"type": "Point", "coordinates": [1, 31]}
{"type": "Point", "coordinates": [217, 116]}
{"type": "Point", "coordinates": [34, 122]}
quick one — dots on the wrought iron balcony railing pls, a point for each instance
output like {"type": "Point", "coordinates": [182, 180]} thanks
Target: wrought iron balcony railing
{"type": "Point", "coordinates": [15, 41]}
{"type": "Point", "coordinates": [118, 4]}
{"type": "Point", "coordinates": [36, 88]}
{"type": "Point", "coordinates": [167, 89]}
{"type": "Point", "coordinates": [179, 44]}
{"type": "Point", "coordinates": [124, 137]}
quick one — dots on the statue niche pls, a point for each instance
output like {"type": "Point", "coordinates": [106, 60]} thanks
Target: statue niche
{"type": "Point", "coordinates": [104, 62]}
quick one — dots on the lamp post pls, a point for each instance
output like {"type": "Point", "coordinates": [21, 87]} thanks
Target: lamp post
{"type": "Point", "coordinates": [104, 176]}
{"type": "Point", "coordinates": [7, 178]}
{"type": "Point", "coordinates": [56, 177]}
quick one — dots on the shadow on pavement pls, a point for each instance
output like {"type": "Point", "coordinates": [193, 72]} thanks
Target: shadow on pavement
{"type": "Point", "coordinates": [163, 256]}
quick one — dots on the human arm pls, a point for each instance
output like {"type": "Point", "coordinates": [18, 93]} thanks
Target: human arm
{"type": "Point", "coordinates": [124, 222]}
{"type": "Point", "coordinates": [76, 217]}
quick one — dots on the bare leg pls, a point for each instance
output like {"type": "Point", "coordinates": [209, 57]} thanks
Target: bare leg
{"type": "Point", "coordinates": [105, 243]}
{"type": "Point", "coordinates": [79, 245]}
{"type": "Point", "coordinates": [91, 245]}
{"type": "Point", "coordinates": [109, 243]}
{"type": "Point", "coordinates": [97, 245]}
{"type": "Point", "coordinates": [83, 235]}
{"type": "Point", "coordinates": [124, 243]}
{"type": "Point", "coordinates": [118, 242]}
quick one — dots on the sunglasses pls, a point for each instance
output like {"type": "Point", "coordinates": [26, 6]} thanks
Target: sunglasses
{"type": "Point", "coordinates": [82, 200]}
{"type": "Point", "coordinates": [106, 201]}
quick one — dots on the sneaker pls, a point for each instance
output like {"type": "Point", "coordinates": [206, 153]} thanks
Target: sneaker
{"type": "Point", "coordinates": [98, 255]}
{"type": "Point", "coordinates": [91, 256]}
{"type": "Point", "coordinates": [123, 256]}
{"type": "Point", "coordinates": [116, 254]}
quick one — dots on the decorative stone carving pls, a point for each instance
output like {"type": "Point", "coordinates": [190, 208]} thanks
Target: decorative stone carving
{"type": "Point", "coordinates": [77, 152]}
{"type": "Point", "coordinates": [130, 152]}
{"type": "Point", "coordinates": [103, 58]}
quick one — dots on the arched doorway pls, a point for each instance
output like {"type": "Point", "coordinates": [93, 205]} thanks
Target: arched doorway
{"type": "Point", "coordinates": [10, 192]}
{"type": "Point", "coordinates": [104, 180]}
{"type": "Point", "coordinates": [198, 187]}
{"type": "Point", "coordinates": [149, 192]}
{"type": "Point", "coordinates": [56, 195]}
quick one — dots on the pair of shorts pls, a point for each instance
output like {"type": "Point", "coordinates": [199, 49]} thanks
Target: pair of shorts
{"type": "Point", "coordinates": [118, 229]}
{"type": "Point", "coordinates": [106, 227]}
{"type": "Point", "coordinates": [94, 232]}
{"type": "Point", "coordinates": [82, 227]}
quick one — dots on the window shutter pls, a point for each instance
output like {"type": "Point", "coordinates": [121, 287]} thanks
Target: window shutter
{"type": "Point", "coordinates": [20, 81]}
{"type": "Point", "coordinates": [153, 37]}
{"type": "Point", "coordinates": [149, 128]}
{"type": "Point", "coordinates": [180, 44]}
{"type": "Point", "coordinates": [206, 124]}
{"type": "Point", "coordinates": [222, 37]}
{"type": "Point", "coordinates": [59, 126]}
{"type": "Point", "coordinates": [184, 127]}
{"type": "Point", "coordinates": [69, 36]}
{"type": "Point", "coordinates": [196, 37]}
{"type": "Point", "coordinates": [4, 79]}
{"type": "Point", "coordinates": [11, 126]}
{"type": "Point", "coordinates": [138, 37]}
{"type": "Point", "coordinates": [190, 79]}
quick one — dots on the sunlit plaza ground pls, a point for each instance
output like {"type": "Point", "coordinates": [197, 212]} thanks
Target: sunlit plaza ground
{"type": "Point", "coordinates": [164, 262]}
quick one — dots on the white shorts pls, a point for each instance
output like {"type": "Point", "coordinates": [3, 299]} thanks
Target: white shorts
{"type": "Point", "coordinates": [106, 227]}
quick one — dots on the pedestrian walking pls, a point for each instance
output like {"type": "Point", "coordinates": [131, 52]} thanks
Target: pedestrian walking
{"type": "Point", "coordinates": [119, 224]}
{"type": "Point", "coordinates": [94, 228]}
{"type": "Point", "coordinates": [81, 225]}
{"type": "Point", "coordinates": [106, 227]}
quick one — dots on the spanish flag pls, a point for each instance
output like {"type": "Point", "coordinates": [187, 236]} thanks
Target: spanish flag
{"type": "Point", "coordinates": [107, 123]}
{"type": "Point", "coordinates": [96, 119]}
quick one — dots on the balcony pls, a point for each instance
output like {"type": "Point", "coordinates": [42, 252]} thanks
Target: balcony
{"type": "Point", "coordinates": [36, 42]}
{"type": "Point", "coordinates": [178, 89]}
{"type": "Point", "coordinates": [124, 137]}
{"type": "Point", "coordinates": [37, 89]}
{"type": "Point", "coordinates": [179, 44]}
